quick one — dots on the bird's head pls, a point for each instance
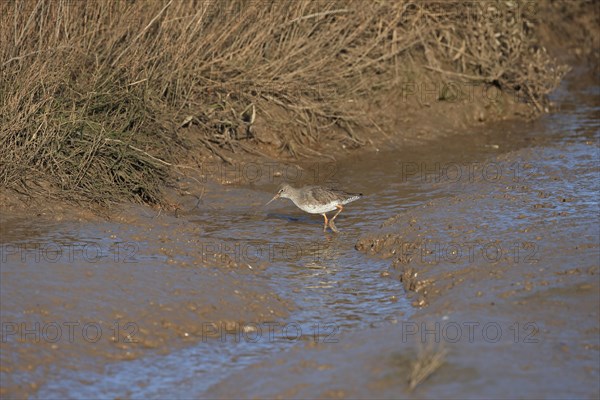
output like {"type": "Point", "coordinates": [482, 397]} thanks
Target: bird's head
{"type": "Point", "coordinates": [283, 191]}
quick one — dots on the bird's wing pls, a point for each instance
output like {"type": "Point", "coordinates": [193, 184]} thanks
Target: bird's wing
{"type": "Point", "coordinates": [327, 195]}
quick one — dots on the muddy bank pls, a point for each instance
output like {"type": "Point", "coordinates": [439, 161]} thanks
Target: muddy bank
{"type": "Point", "coordinates": [505, 270]}
{"type": "Point", "coordinates": [506, 263]}
{"type": "Point", "coordinates": [115, 123]}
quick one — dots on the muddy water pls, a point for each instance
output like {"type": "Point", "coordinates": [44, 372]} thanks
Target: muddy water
{"type": "Point", "coordinates": [546, 195]}
{"type": "Point", "coordinates": [133, 278]}
{"type": "Point", "coordinates": [51, 266]}
{"type": "Point", "coordinates": [230, 282]}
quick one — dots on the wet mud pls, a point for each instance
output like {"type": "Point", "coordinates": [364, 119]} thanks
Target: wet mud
{"type": "Point", "coordinates": [76, 297]}
{"type": "Point", "coordinates": [502, 263]}
{"type": "Point", "coordinates": [485, 245]}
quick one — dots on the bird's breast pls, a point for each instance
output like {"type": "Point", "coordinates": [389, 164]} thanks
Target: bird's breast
{"type": "Point", "coordinates": [318, 208]}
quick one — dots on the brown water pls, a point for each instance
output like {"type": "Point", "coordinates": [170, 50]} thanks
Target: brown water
{"type": "Point", "coordinates": [152, 272]}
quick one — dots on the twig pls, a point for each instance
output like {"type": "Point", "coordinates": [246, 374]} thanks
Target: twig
{"type": "Point", "coordinates": [34, 52]}
{"type": "Point", "coordinates": [218, 153]}
{"type": "Point", "coordinates": [319, 14]}
{"type": "Point", "coordinates": [535, 102]}
{"type": "Point", "coordinates": [318, 153]}
{"type": "Point", "coordinates": [429, 360]}
{"type": "Point", "coordinates": [141, 33]}
{"type": "Point", "coordinates": [378, 128]}
{"type": "Point", "coordinates": [151, 156]}
{"type": "Point", "coordinates": [140, 150]}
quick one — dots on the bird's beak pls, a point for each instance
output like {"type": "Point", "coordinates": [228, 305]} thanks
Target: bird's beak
{"type": "Point", "coordinates": [274, 198]}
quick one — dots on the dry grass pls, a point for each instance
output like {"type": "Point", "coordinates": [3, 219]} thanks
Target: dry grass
{"type": "Point", "coordinates": [429, 359]}
{"type": "Point", "coordinates": [93, 94]}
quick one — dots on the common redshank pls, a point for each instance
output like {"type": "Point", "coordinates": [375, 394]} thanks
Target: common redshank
{"type": "Point", "coordinates": [317, 200]}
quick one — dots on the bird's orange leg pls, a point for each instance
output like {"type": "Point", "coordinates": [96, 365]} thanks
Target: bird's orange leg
{"type": "Point", "coordinates": [340, 210]}
{"type": "Point", "coordinates": [326, 223]}
{"type": "Point", "coordinates": [331, 223]}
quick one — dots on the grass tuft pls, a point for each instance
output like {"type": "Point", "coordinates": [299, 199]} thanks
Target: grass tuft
{"type": "Point", "coordinates": [94, 94]}
{"type": "Point", "coordinates": [429, 359]}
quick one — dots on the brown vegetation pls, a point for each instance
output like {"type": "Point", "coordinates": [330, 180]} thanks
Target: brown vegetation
{"type": "Point", "coordinates": [430, 357]}
{"type": "Point", "coordinates": [94, 95]}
